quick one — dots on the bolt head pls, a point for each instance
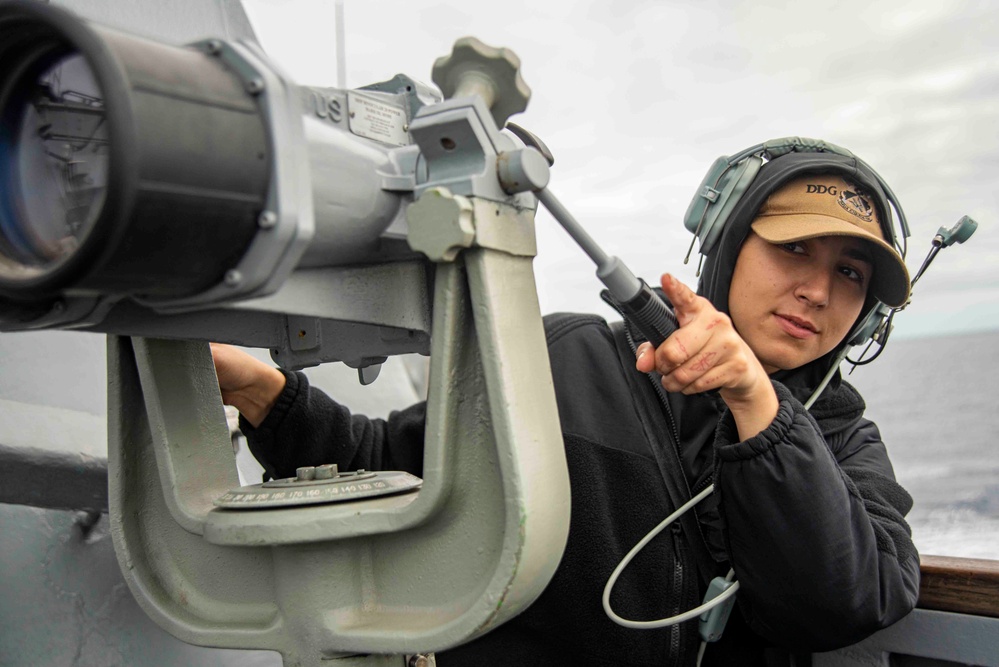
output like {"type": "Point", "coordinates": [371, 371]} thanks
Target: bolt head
{"type": "Point", "coordinates": [255, 86]}
{"type": "Point", "coordinates": [267, 220]}
{"type": "Point", "coordinates": [233, 278]}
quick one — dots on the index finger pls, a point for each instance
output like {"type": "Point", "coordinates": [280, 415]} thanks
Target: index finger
{"type": "Point", "coordinates": [684, 300]}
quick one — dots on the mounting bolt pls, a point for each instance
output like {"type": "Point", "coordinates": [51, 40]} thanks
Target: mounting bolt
{"type": "Point", "coordinates": [255, 86]}
{"type": "Point", "coordinates": [267, 220]}
{"type": "Point", "coordinates": [213, 46]}
{"type": "Point", "coordinates": [86, 521]}
{"type": "Point", "coordinates": [233, 278]}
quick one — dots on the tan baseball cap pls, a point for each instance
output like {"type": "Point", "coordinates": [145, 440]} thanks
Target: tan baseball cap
{"type": "Point", "coordinates": [826, 205]}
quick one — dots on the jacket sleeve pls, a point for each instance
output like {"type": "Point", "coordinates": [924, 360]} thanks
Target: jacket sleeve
{"type": "Point", "coordinates": [815, 530]}
{"type": "Point", "coordinates": [307, 427]}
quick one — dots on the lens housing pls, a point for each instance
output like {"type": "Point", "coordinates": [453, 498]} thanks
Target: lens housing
{"type": "Point", "coordinates": [147, 181]}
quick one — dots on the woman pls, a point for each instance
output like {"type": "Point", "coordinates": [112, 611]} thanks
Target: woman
{"type": "Point", "coordinates": [805, 508]}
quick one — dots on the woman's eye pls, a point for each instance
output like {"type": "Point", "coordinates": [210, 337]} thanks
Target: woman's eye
{"type": "Point", "coordinates": [793, 246]}
{"type": "Point", "coordinates": [853, 274]}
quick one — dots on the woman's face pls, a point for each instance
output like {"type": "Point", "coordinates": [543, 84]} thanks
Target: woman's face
{"type": "Point", "coordinates": [794, 302]}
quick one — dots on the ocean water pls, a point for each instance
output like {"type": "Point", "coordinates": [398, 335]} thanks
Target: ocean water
{"type": "Point", "coordinates": [936, 401]}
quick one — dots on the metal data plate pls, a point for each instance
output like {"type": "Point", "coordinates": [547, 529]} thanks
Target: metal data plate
{"type": "Point", "coordinates": [343, 487]}
{"type": "Point", "coordinates": [372, 118]}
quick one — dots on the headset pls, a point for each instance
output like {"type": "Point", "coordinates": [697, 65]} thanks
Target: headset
{"type": "Point", "coordinates": [725, 186]}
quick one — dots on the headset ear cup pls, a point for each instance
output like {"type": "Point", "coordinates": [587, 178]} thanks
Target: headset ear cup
{"type": "Point", "coordinates": [868, 326]}
{"type": "Point", "coordinates": [719, 192]}
{"type": "Point", "coordinates": [707, 193]}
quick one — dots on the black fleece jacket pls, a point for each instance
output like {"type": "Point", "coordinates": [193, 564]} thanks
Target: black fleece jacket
{"type": "Point", "coordinates": [807, 512]}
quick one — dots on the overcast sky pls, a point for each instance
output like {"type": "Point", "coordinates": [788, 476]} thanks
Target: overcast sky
{"type": "Point", "coordinates": [636, 99]}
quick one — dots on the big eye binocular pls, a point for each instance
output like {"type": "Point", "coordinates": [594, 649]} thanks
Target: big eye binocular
{"type": "Point", "coordinates": [170, 194]}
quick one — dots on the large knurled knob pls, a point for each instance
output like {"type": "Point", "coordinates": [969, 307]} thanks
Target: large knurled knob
{"type": "Point", "coordinates": [474, 68]}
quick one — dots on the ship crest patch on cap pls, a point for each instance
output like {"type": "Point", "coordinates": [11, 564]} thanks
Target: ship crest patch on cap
{"type": "Point", "coordinates": [856, 203]}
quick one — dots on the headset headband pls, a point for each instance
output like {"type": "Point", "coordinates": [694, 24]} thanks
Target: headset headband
{"type": "Point", "coordinates": [729, 178]}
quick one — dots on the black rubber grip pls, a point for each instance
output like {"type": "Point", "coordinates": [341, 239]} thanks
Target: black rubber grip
{"type": "Point", "coordinates": [650, 314]}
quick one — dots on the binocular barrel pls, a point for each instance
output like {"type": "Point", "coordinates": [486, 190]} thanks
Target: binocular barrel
{"type": "Point", "coordinates": [126, 165]}
{"type": "Point", "coordinates": [179, 176]}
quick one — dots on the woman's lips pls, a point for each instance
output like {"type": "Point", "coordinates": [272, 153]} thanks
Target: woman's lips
{"type": "Point", "coordinates": [796, 328]}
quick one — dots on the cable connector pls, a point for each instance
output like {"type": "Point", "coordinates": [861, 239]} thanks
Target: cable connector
{"type": "Point", "coordinates": [712, 622]}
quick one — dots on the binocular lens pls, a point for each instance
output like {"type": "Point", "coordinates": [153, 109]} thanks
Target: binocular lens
{"type": "Point", "coordinates": [53, 163]}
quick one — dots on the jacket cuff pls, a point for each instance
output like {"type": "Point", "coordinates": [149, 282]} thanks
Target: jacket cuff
{"type": "Point", "coordinates": [728, 447]}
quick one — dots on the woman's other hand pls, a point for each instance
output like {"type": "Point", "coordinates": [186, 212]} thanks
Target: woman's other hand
{"type": "Point", "coordinates": [248, 384]}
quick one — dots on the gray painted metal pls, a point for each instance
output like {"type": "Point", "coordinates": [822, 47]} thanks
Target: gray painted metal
{"type": "Point", "coordinates": [65, 602]}
{"type": "Point", "coordinates": [524, 170]}
{"type": "Point", "coordinates": [383, 576]}
{"type": "Point", "coordinates": [316, 485]}
{"type": "Point", "coordinates": [478, 70]}
{"type": "Point", "coordinates": [52, 479]}
{"type": "Point", "coordinates": [927, 636]}
{"type": "Point", "coordinates": [475, 546]}
{"type": "Point", "coordinates": [387, 576]}
{"type": "Point", "coordinates": [326, 206]}
{"type": "Point", "coordinates": [349, 314]}
{"type": "Point", "coordinates": [440, 224]}
{"type": "Point", "coordinates": [286, 225]}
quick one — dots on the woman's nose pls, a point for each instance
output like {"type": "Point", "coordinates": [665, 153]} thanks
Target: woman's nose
{"type": "Point", "coordinates": [814, 288]}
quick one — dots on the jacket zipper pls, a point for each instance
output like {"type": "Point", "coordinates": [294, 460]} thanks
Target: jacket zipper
{"type": "Point", "coordinates": [678, 574]}
{"type": "Point", "coordinates": [664, 401]}
{"type": "Point", "coordinates": [661, 393]}
{"type": "Point", "coordinates": [676, 529]}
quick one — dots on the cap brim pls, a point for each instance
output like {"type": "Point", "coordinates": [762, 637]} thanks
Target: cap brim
{"type": "Point", "coordinates": [890, 283]}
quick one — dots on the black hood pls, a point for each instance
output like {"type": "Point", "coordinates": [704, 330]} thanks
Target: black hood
{"type": "Point", "coordinates": [716, 274]}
